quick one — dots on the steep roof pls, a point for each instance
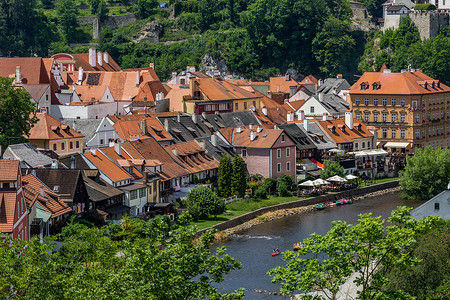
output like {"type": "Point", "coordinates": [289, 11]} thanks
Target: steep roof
{"type": "Point", "coordinates": [32, 69]}
{"type": "Point", "coordinates": [408, 83]}
{"type": "Point", "coordinates": [331, 85]}
{"type": "Point", "coordinates": [28, 155]}
{"type": "Point", "coordinates": [192, 156]}
{"type": "Point", "coordinates": [301, 139]}
{"type": "Point", "coordinates": [281, 85]}
{"type": "Point", "coordinates": [107, 166]}
{"type": "Point", "coordinates": [176, 94]}
{"type": "Point", "coordinates": [310, 79]}
{"type": "Point", "coordinates": [36, 91]}
{"type": "Point", "coordinates": [124, 157]}
{"type": "Point", "coordinates": [82, 60]}
{"type": "Point", "coordinates": [317, 136]}
{"type": "Point", "coordinates": [86, 127]}
{"type": "Point", "coordinates": [232, 119]}
{"type": "Point", "coordinates": [99, 190]}
{"type": "Point", "coordinates": [294, 105]}
{"type": "Point", "coordinates": [348, 135]}
{"type": "Point", "coordinates": [7, 209]}
{"type": "Point", "coordinates": [127, 130]}
{"type": "Point", "coordinates": [334, 104]}
{"type": "Point", "coordinates": [9, 169]}
{"type": "Point", "coordinates": [221, 90]}
{"type": "Point", "coordinates": [61, 181]}
{"type": "Point", "coordinates": [48, 128]}
{"type": "Point", "coordinates": [265, 139]}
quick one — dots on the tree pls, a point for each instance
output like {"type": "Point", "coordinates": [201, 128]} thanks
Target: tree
{"type": "Point", "coordinates": [203, 202]}
{"type": "Point", "coordinates": [224, 176]}
{"type": "Point", "coordinates": [287, 179]}
{"type": "Point", "coordinates": [368, 249]}
{"type": "Point", "coordinates": [270, 184]}
{"type": "Point", "coordinates": [331, 168]}
{"type": "Point", "coordinates": [238, 178]}
{"type": "Point", "coordinates": [98, 8]}
{"type": "Point", "coordinates": [16, 113]}
{"type": "Point", "coordinates": [426, 173]}
{"type": "Point", "coordinates": [146, 7]}
{"type": "Point", "coordinates": [67, 17]}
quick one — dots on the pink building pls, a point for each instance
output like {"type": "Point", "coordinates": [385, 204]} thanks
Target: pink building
{"type": "Point", "coordinates": [269, 152]}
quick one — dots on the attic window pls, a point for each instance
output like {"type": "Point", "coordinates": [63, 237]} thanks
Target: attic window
{"type": "Point", "coordinates": [55, 129]}
{"type": "Point", "coordinates": [364, 86]}
{"type": "Point", "coordinates": [343, 128]}
{"type": "Point", "coordinates": [56, 188]}
{"type": "Point", "coordinates": [376, 85]}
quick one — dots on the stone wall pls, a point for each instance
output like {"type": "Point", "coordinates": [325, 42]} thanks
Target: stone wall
{"type": "Point", "coordinates": [304, 202]}
{"type": "Point", "coordinates": [429, 23]}
{"type": "Point", "coordinates": [112, 22]}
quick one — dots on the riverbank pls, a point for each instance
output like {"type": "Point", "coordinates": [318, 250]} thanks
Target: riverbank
{"type": "Point", "coordinates": [298, 207]}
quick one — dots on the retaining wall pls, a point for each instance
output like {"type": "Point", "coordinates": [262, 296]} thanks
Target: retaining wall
{"type": "Point", "coordinates": [304, 202]}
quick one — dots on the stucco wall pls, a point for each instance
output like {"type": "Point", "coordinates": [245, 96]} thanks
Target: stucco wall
{"type": "Point", "coordinates": [257, 161]}
{"type": "Point", "coordinates": [84, 112]}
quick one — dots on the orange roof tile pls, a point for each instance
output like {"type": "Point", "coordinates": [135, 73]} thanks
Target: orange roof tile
{"type": "Point", "coordinates": [281, 85]}
{"type": "Point", "coordinates": [221, 90]}
{"type": "Point", "coordinates": [48, 128]}
{"type": "Point", "coordinates": [82, 60]}
{"type": "Point", "coordinates": [348, 136]}
{"type": "Point", "coordinates": [264, 139]}
{"type": "Point", "coordinates": [9, 169]}
{"type": "Point", "coordinates": [176, 95]}
{"type": "Point", "coordinates": [309, 80]}
{"type": "Point", "coordinates": [408, 83]}
{"type": "Point", "coordinates": [32, 69]}
{"type": "Point", "coordinates": [247, 82]}
{"type": "Point", "coordinates": [7, 209]}
{"type": "Point", "coordinates": [107, 166]}
{"type": "Point", "coordinates": [112, 154]}
{"type": "Point", "coordinates": [294, 105]}
{"type": "Point", "coordinates": [192, 156]}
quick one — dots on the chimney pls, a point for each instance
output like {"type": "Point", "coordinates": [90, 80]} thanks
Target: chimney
{"type": "Point", "coordinates": [118, 147]}
{"type": "Point", "coordinates": [321, 97]}
{"type": "Point", "coordinates": [106, 57]}
{"type": "Point", "coordinates": [166, 124]}
{"type": "Point", "coordinates": [143, 127]}
{"type": "Point", "coordinates": [339, 76]}
{"type": "Point", "coordinates": [92, 57]}
{"type": "Point", "coordinates": [152, 66]}
{"type": "Point", "coordinates": [259, 129]}
{"type": "Point", "coordinates": [264, 110]}
{"type": "Point", "coordinates": [175, 151]}
{"type": "Point", "coordinates": [194, 118]}
{"type": "Point", "coordinates": [287, 77]}
{"type": "Point", "coordinates": [99, 58]}
{"type": "Point", "coordinates": [320, 82]}
{"type": "Point", "coordinates": [111, 143]}
{"type": "Point", "coordinates": [174, 75]}
{"type": "Point", "coordinates": [252, 135]}
{"type": "Point", "coordinates": [18, 79]}
{"type": "Point", "coordinates": [349, 119]}
{"type": "Point", "coordinates": [301, 115]}
{"type": "Point", "coordinates": [80, 75]}
{"type": "Point", "coordinates": [145, 176]}
{"type": "Point", "coordinates": [138, 78]}
{"type": "Point", "coordinates": [204, 115]}
{"type": "Point", "coordinates": [178, 118]}
{"type": "Point", "coordinates": [72, 162]}
{"type": "Point", "coordinates": [290, 116]}
{"type": "Point", "coordinates": [325, 116]}
{"type": "Point", "coordinates": [54, 164]}
{"type": "Point", "coordinates": [306, 124]}
{"type": "Point", "coordinates": [238, 129]}
{"type": "Point", "coordinates": [387, 71]}
{"type": "Point", "coordinates": [214, 140]}
{"type": "Point", "coordinates": [250, 126]}
{"type": "Point", "coordinates": [42, 192]}
{"type": "Point", "coordinates": [94, 151]}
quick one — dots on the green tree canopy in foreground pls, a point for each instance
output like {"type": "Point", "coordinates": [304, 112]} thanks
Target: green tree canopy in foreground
{"type": "Point", "coordinates": [370, 249]}
{"type": "Point", "coordinates": [331, 168]}
{"type": "Point", "coordinates": [16, 118]}
{"type": "Point", "coordinates": [135, 260]}
{"type": "Point", "coordinates": [426, 173]}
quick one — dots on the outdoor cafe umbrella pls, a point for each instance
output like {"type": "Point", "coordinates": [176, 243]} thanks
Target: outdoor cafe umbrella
{"type": "Point", "coordinates": [320, 181]}
{"type": "Point", "coordinates": [307, 183]}
{"type": "Point", "coordinates": [350, 177]}
{"type": "Point", "coordinates": [337, 178]}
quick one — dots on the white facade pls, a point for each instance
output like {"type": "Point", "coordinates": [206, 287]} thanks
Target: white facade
{"type": "Point", "coordinates": [313, 108]}
{"type": "Point", "coordinates": [437, 206]}
{"type": "Point", "coordinates": [95, 111]}
{"type": "Point", "coordinates": [136, 200]}
{"type": "Point", "coordinates": [443, 4]}
{"type": "Point", "coordinates": [103, 134]}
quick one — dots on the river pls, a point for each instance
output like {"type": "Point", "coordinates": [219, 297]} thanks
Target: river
{"type": "Point", "coordinates": [253, 247]}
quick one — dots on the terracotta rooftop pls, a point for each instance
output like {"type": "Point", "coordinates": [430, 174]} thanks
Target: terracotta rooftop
{"type": "Point", "coordinates": [264, 139]}
{"type": "Point", "coordinates": [408, 83]}
{"type": "Point", "coordinates": [48, 128]}
{"type": "Point", "coordinates": [107, 167]}
{"type": "Point", "coordinates": [220, 90]}
{"type": "Point", "coordinates": [9, 169]}
{"type": "Point", "coordinates": [176, 94]}
{"type": "Point", "coordinates": [281, 85]}
{"type": "Point", "coordinates": [348, 135]}
{"type": "Point", "coordinates": [82, 60]}
{"type": "Point", "coordinates": [7, 210]}
{"type": "Point", "coordinates": [192, 156]}
{"type": "Point", "coordinates": [309, 80]}
{"type": "Point", "coordinates": [127, 130]}
{"type": "Point", "coordinates": [111, 154]}
{"type": "Point", "coordinates": [32, 69]}
{"type": "Point", "coordinates": [246, 82]}
{"type": "Point", "coordinates": [294, 105]}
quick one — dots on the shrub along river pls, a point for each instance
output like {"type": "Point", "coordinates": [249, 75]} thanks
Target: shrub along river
{"type": "Point", "coordinates": [253, 247]}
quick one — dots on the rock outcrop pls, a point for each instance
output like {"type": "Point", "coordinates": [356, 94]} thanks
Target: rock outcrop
{"type": "Point", "coordinates": [150, 33]}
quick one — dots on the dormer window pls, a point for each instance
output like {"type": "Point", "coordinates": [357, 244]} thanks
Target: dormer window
{"type": "Point", "coordinates": [364, 86]}
{"type": "Point", "coordinates": [332, 128]}
{"type": "Point", "coordinates": [343, 128]}
{"type": "Point", "coordinates": [376, 85]}
{"type": "Point", "coordinates": [55, 129]}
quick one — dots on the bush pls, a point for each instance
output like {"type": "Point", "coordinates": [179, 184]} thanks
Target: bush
{"type": "Point", "coordinates": [288, 180]}
{"type": "Point", "coordinates": [424, 6]}
{"type": "Point", "coordinates": [188, 22]}
{"type": "Point", "coordinates": [283, 190]}
{"type": "Point", "coordinates": [261, 193]}
{"type": "Point", "coordinates": [270, 185]}
{"type": "Point", "coordinates": [203, 202]}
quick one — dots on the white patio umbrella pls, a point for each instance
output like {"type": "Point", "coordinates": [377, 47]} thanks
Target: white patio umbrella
{"type": "Point", "coordinates": [307, 183]}
{"type": "Point", "coordinates": [320, 181]}
{"type": "Point", "coordinates": [350, 177]}
{"type": "Point", "coordinates": [337, 178]}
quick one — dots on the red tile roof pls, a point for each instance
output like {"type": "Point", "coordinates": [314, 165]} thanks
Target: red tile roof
{"type": "Point", "coordinates": [32, 69]}
{"type": "Point", "coordinates": [348, 136]}
{"type": "Point", "coordinates": [107, 166]}
{"type": "Point", "coordinates": [176, 94]}
{"type": "Point", "coordinates": [9, 169]}
{"type": "Point", "coordinates": [264, 139]}
{"type": "Point", "coordinates": [294, 105]}
{"type": "Point", "coordinates": [408, 83]}
{"type": "Point", "coordinates": [48, 128]}
{"type": "Point", "coordinates": [82, 60]}
{"type": "Point", "coordinates": [192, 156]}
{"type": "Point", "coordinates": [7, 209]}
{"type": "Point", "coordinates": [309, 80]}
{"type": "Point", "coordinates": [281, 85]}
{"type": "Point", "coordinates": [221, 90]}
{"type": "Point", "coordinates": [112, 154]}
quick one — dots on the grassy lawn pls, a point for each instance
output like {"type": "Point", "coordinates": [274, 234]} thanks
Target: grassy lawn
{"type": "Point", "coordinates": [241, 207]}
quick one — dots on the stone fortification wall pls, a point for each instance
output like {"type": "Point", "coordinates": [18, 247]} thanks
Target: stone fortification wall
{"type": "Point", "coordinates": [112, 22]}
{"type": "Point", "coordinates": [392, 21]}
{"type": "Point", "coordinates": [304, 202]}
{"type": "Point", "coordinates": [429, 23]}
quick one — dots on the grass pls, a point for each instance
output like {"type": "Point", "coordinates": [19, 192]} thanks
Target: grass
{"type": "Point", "coordinates": [241, 207]}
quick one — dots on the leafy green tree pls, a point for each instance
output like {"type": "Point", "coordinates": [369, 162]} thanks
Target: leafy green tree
{"type": "Point", "coordinates": [331, 168]}
{"type": "Point", "coordinates": [238, 178]}
{"type": "Point", "coordinates": [261, 193]}
{"type": "Point", "coordinates": [286, 179]}
{"type": "Point", "coordinates": [203, 202]}
{"type": "Point", "coordinates": [208, 13]}
{"type": "Point", "coordinates": [283, 190]}
{"type": "Point", "coordinates": [224, 176]}
{"type": "Point", "coordinates": [145, 8]}
{"type": "Point", "coordinates": [368, 249]}
{"type": "Point", "coordinates": [16, 113]}
{"type": "Point", "coordinates": [374, 7]}
{"type": "Point", "coordinates": [67, 17]}
{"type": "Point", "coordinates": [270, 184]}
{"type": "Point", "coordinates": [426, 173]}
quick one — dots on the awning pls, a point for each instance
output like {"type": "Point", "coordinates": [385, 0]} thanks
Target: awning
{"type": "Point", "coordinates": [396, 145]}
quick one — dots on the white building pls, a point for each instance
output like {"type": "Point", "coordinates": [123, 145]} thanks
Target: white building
{"type": "Point", "coordinates": [437, 206]}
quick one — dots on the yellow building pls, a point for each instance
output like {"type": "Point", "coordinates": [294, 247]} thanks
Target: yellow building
{"type": "Point", "coordinates": [210, 95]}
{"type": "Point", "coordinates": [409, 109]}
{"type": "Point", "coordinates": [50, 134]}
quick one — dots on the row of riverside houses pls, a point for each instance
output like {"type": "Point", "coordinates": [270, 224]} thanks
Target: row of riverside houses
{"type": "Point", "coordinates": [115, 142]}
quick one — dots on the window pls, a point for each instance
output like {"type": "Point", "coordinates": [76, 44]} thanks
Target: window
{"type": "Point", "coordinates": [384, 116]}
{"type": "Point", "coordinates": [393, 101]}
{"type": "Point", "coordinates": [402, 117]}
{"type": "Point", "coordinates": [384, 133]}
{"type": "Point", "coordinates": [402, 133]}
{"type": "Point", "coordinates": [417, 134]}
{"type": "Point", "coordinates": [384, 101]}
{"type": "Point", "coordinates": [245, 105]}
{"type": "Point", "coordinates": [278, 167]}
{"type": "Point", "coordinates": [357, 101]}
{"type": "Point", "coordinates": [363, 145]}
{"type": "Point", "coordinates": [236, 106]}
{"type": "Point", "coordinates": [375, 101]}
{"type": "Point", "coordinates": [358, 115]}
{"type": "Point", "coordinates": [77, 144]}
{"type": "Point", "coordinates": [288, 152]}
{"type": "Point", "coordinates": [368, 145]}
{"type": "Point", "coordinates": [366, 101]}
{"type": "Point", "coordinates": [366, 116]}
{"type": "Point", "coordinates": [442, 97]}
{"type": "Point", "coordinates": [436, 205]}
{"type": "Point", "coordinates": [244, 152]}
{"type": "Point", "coordinates": [356, 146]}
{"type": "Point", "coordinates": [394, 117]}
{"type": "Point", "coordinates": [429, 100]}
{"type": "Point", "coordinates": [393, 133]}
{"type": "Point", "coordinates": [402, 101]}
{"type": "Point", "coordinates": [63, 146]}
{"type": "Point", "coordinates": [429, 131]}
{"type": "Point", "coordinates": [102, 141]}
{"type": "Point", "coordinates": [142, 193]}
{"type": "Point", "coordinates": [254, 104]}
{"type": "Point", "coordinates": [282, 137]}
{"type": "Point", "coordinates": [437, 130]}
{"type": "Point", "coordinates": [414, 104]}
{"type": "Point", "coordinates": [375, 117]}
{"type": "Point", "coordinates": [55, 146]}
{"type": "Point", "coordinates": [434, 130]}
{"type": "Point", "coordinates": [70, 145]}
{"type": "Point", "coordinates": [417, 118]}
{"type": "Point", "coordinates": [311, 109]}
{"type": "Point", "coordinates": [133, 194]}
{"type": "Point", "coordinates": [423, 133]}
{"type": "Point", "coordinates": [278, 153]}
{"type": "Point", "coordinates": [288, 166]}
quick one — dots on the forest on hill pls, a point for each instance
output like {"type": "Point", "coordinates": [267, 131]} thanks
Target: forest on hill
{"type": "Point", "coordinates": [254, 38]}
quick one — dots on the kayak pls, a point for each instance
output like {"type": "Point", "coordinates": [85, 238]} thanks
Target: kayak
{"type": "Point", "coordinates": [333, 204]}
{"type": "Point", "coordinates": [297, 246]}
{"type": "Point", "coordinates": [276, 253]}
{"type": "Point", "coordinates": [320, 206]}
